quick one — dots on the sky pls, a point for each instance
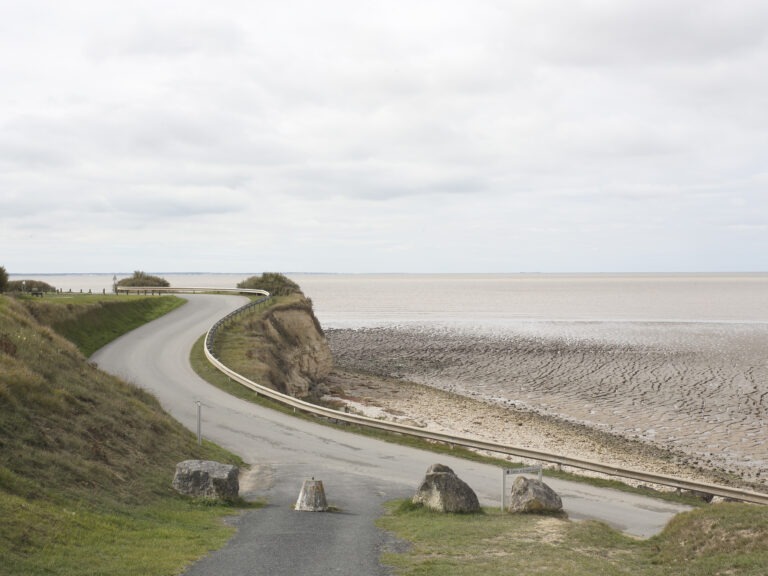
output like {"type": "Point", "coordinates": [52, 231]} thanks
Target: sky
{"type": "Point", "coordinates": [397, 136]}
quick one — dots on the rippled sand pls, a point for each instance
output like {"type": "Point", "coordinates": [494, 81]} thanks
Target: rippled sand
{"type": "Point", "coordinates": [695, 389]}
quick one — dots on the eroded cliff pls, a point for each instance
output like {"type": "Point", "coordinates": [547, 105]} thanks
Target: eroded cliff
{"type": "Point", "coordinates": [288, 350]}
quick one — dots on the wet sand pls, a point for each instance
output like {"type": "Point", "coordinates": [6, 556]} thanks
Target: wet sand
{"type": "Point", "coordinates": [684, 400]}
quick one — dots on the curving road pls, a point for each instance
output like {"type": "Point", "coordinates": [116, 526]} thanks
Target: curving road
{"type": "Point", "coordinates": [358, 473]}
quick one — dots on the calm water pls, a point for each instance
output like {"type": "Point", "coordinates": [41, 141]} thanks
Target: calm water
{"type": "Point", "coordinates": [497, 301]}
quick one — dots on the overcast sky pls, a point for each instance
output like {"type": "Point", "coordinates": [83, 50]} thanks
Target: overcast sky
{"type": "Point", "coordinates": [397, 136]}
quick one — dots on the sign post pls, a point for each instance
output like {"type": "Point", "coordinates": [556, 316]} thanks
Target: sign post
{"type": "Point", "coordinates": [512, 471]}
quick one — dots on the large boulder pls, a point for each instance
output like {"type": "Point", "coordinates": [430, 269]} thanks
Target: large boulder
{"type": "Point", "coordinates": [530, 495]}
{"type": "Point", "coordinates": [207, 479]}
{"type": "Point", "coordinates": [443, 491]}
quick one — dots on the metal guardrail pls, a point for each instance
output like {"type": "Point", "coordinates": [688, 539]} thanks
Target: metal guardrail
{"type": "Point", "coordinates": [196, 290]}
{"type": "Point", "coordinates": [649, 477]}
{"type": "Point", "coordinates": [211, 334]}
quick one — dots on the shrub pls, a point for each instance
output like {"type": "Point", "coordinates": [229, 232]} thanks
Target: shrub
{"type": "Point", "coordinates": [140, 278]}
{"type": "Point", "coordinates": [29, 286]}
{"type": "Point", "coordinates": [274, 283]}
{"type": "Point", "coordinates": [3, 279]}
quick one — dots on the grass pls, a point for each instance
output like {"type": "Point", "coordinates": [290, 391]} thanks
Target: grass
{"type": "Point", "coordinates": [91, 322]}
{"type": "Point", "coordinates": [70, 538]}
{"type": "Point", "coordinates": [261, 343]}
{"type": "Point", "coordinates": [86, 460]}
{"type": "Point", "coordinates": [723, 539]}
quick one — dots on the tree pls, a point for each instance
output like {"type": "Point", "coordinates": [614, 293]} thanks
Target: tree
{"type": "Point", "coordinates": [3, 279]}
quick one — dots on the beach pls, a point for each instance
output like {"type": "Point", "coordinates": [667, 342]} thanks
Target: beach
{"type": "Point", "coordinates": [681, 400]}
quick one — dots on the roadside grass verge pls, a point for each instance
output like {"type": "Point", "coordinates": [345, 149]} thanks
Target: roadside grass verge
{"type": "Point", "coordinates": [92, 321]}
{"type": "Point", "coordinates": [86, 463]}
{"type": "Point", "coordinates": [723, 539]}
{"type": "Point", "coordinates": [39, 537]}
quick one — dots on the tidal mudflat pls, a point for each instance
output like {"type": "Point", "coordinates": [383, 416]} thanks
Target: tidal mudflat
{"type": "Point", "coordinates": [698, 390]}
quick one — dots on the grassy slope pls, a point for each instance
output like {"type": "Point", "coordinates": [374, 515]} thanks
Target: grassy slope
{"type": "Point", "coordinates": [94, 321]}
{"type": "Point", "coordinates": [86, 463]}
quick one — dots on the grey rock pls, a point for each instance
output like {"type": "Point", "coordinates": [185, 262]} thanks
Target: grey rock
{"type": "Point", "coordinates": [207, 479]}
{"type": "Point", "coordinates": [530, 495]}
{"type": "Point", "coordinates": [440, 469]}
{"type": "Point", "coordinates": [443, 491]}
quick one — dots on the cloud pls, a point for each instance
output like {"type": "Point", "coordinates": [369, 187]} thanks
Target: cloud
{"type": "Point", "coordinates": [365, 136]}
{"type": "Point", "coordinates": [644, 34]}
{"type": "Point", "coordinates": [170, 37]}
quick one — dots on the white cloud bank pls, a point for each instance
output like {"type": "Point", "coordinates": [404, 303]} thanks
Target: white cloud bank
{"type": "Point", "coordinates": [408, 136]}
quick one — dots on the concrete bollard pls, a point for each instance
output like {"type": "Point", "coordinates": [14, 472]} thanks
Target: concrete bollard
{"type": "Point", "coordinates": [312, 497]}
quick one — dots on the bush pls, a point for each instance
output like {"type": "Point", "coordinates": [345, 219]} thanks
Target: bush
{"type": "Point", "coordinates": [142, 279]}
{"type": "Point", "coordinates": [274, 283]}
{"type": "Point", "coordinates": [29, 286]}
{"type": "Point", "coordinates": [3, 279]}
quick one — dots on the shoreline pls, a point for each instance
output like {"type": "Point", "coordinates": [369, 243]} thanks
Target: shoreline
{"type": "Point", "coordinates": [435, 410]}
{"type": "Point", "coordinates": [465, 384]}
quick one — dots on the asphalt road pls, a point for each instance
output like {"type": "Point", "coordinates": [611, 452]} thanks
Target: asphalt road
{"type": "Point", "coordinates": [358, 473]}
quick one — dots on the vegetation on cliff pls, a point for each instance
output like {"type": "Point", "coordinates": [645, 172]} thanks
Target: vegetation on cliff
{"type": "Point", "coordinates": [280, 345]}
{"type": "Point", "coordinates": [86, 462]}
{"type": "Point", "coordinates": [141, 279]}
{"type": "Point", "coordinates": [275, 283]}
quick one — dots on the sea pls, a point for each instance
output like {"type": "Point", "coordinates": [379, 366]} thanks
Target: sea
{"type": "Point", "coordinates": [495, 301]}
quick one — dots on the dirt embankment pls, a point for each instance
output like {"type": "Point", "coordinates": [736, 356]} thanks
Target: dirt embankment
{"type": "Point", "coordinates": [288, 349]}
